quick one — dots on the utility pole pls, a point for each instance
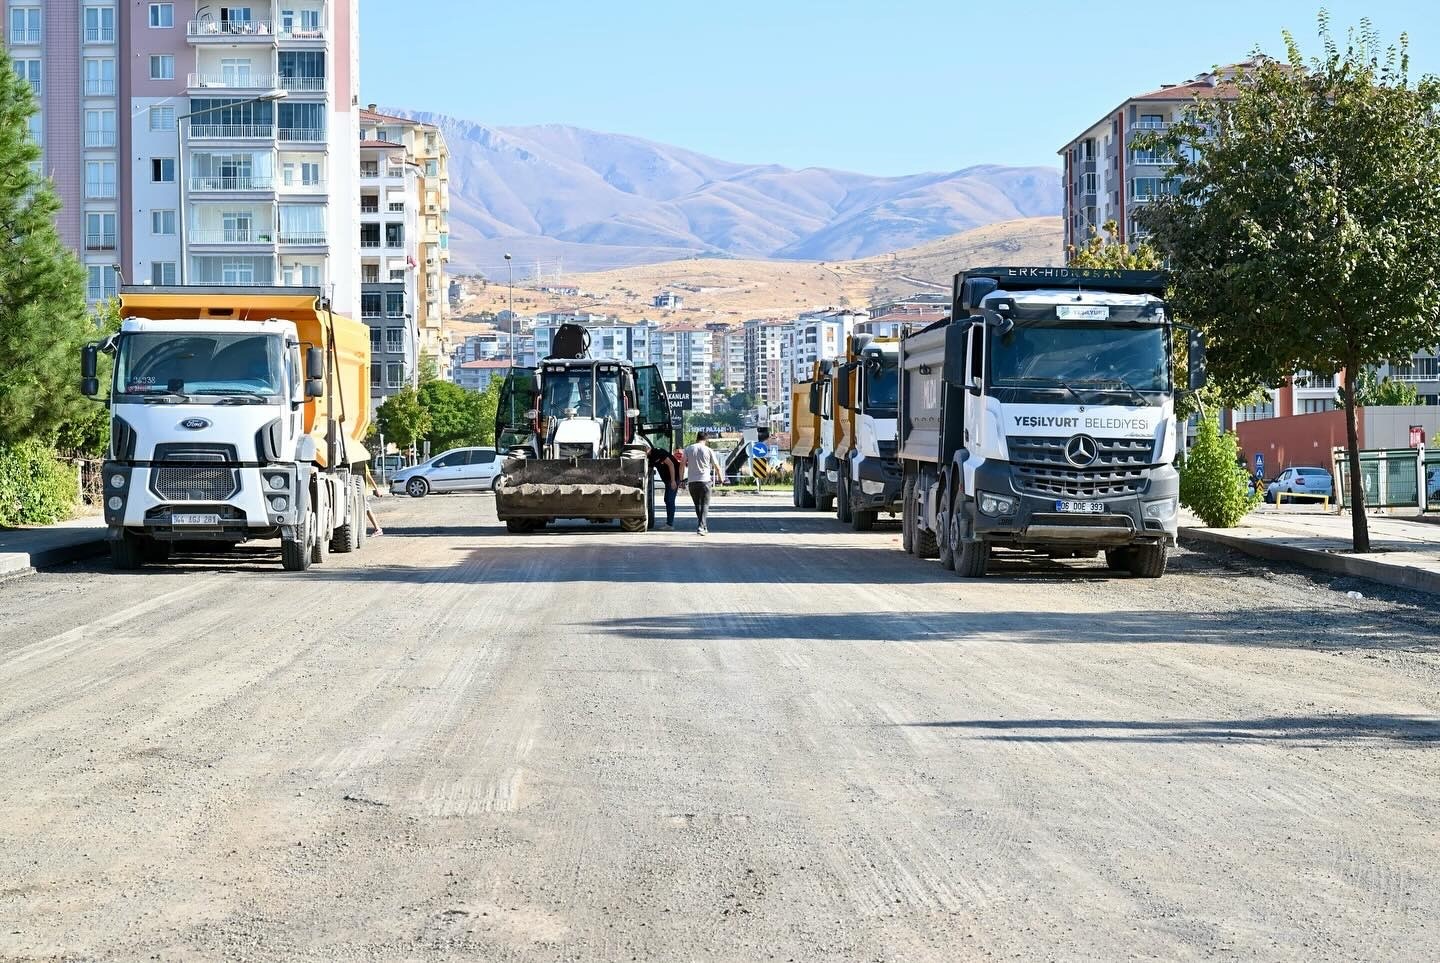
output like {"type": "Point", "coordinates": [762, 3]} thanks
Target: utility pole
{"type": "Point", "coordinates": [509, 263]}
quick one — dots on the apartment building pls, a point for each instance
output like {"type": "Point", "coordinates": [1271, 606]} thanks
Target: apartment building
{"type": "Point", "coordinates": [686, 352]}
{"type": "Point", "coordinates": [476, 375]}
{"type": "Point", "coordinates": [819, 336]}
{"type": "Point", "coordinates": [424, 163]}
{"type": "Point", "coordinates": [1309, 392]}
{"type": "Point", "coordinates": [614, 339]}
{"type": "Point", "coordinates": [388, 278]}
{"type": "Point", "coordinates": [194, 143]}
{"type": "Point", "coordinates": [732, 358]}
{"type": "Point", "coordinates": [768, 347]}
{"type": "Point", "coordinates": [1107, 177]}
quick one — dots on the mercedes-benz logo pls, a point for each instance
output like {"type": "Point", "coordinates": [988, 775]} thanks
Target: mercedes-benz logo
{"type": "Point", "coordinates": [1081, 451]}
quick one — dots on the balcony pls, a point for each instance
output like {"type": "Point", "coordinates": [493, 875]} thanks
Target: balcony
{"type": "Point", "coordinates": [304, 237]}
{"type": "Point", "coordinates": [232, 132]}
{"type": "Point", "coordinates": [296, 32]}
{"type": "Point", "coordinates": [24, 36]}
{"type": "Point", "coordinates": [1150, 125]}
{"type": "Point", "coordinates": [100, 34]}
{"type": "Point", "coordinates": [237, 237]}
{"type": "Point", "coordinates": [302, 187]}
{"type": "Point", "coordinates": [231, 31]}
{"type": "Point", "coordinates": [100, 191]}
{"type": "Point", "coordinates": [311, 85]}
{"type": "Point", "coordinates": [201, 184]}
{"type": "Point", "coordinates": [99, 138]}
{"type": "Point", "coordinates": [308, 135]}
{"type": "Point", "coordinates": [99, 242]}
{"type": "Point", "coordinates": [100, 88]}
{"type": "Point", "coordinates": [232, 80]}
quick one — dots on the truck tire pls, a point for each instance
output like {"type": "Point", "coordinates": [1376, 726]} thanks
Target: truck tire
{"type": "Point", "coordinates": [633, 525]}
{"type": "Point", "coordinates": [319, 544]}
{"type": "Point", "coordinates": [295, 552]}
{"type": "Point", "coordinates": [344, 539]}
{"type": "Point", "coordinates": [972, 559]}
{"type": "Point", "coordinates": [126, 552]}
{"type": "Point", "coordinates": [844, 511]}
{"type": "Point", "coordinates": [907, 516]}
{"type": "Point", "coordinates": [1117, 559]}
{"type": "Point", "coordinates": [825, 503]}
{"type": "Point", "coordinates": [1148, 561]}
{"type": "Point", "coordinates": [361, 535]}
{"type": "Point", "coordinates": [519, 526]}
{"type": "Point", "coordinates": [942, 535]}
{"type": "Point", "coordinates": [795, 486]}
{"type": "Point", "coordinates": [806, 483]}
{"type": "Point", "coordinates": [862, 520]}
{"type": "Point", "coordinates": [154, 550]}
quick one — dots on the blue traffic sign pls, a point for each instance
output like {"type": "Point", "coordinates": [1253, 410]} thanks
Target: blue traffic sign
{"type": "Point", "coordinates": [759, 449]}
{"type": "Point", "coordinates": [1259, 461]}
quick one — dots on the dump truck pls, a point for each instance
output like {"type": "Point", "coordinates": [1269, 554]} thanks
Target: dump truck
{"type": "Point", "coordinates": [868, 476]}
{"type": "Point", "coordinates": [237, 413]}
{"type": "Point", "coordinates": [1041, 416]}
{"type": "Point", "coordinates": [812, 434]}
{"type": "Point", "coordinates": [577, 431]}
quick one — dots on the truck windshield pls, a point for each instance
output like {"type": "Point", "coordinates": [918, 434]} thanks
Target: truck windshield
{"type": "Point", "coordinates": [1121, 358]}
{"type": "Point", "coordinates": [576, 390]}
{"type": "Point", "coordinates": [882, 387]}
{"type": "Point", "coordinates": [199, 364]}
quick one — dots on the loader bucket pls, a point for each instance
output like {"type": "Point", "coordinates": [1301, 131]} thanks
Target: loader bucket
{"type": "Point", "coordinates": [603, 489]}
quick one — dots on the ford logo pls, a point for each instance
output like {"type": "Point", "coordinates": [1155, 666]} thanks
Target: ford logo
{"type": "Point", "coordinates": [195, 424]}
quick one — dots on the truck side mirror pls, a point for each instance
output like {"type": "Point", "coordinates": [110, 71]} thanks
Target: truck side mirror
{"type": "Point", "coordinates": [314, 364]}
{"type": "Point", "coordinates": [814, 399]}
{"type": "Point", "coordinates": [957, 344]}
{"type": "Point", "coordinates": [1198, 374]}
{"type": "Point", "coordinates": [314, 387]}
{"type": "Point", "coordinates": [842, 386]}
{"type": "Point", "coordinates": [89, 361]}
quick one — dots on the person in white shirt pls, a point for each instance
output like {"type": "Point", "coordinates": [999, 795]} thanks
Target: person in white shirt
{"type": "Point", "coordinates": [701, 469]}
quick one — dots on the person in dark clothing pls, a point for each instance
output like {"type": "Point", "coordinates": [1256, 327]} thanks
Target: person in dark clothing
{"type": "Point", "coordinates": [663, 463]}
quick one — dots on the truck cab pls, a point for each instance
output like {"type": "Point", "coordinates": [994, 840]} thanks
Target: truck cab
{"type": "Point", "coordinates": [868, 475]}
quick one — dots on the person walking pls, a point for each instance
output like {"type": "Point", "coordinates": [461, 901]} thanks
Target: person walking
{"type": "Point", "coordinates": [665, 465]}
{"type": "Point", "coordinates": [702, 468]}
{"type": "Point", "coordinates": [372, 490]}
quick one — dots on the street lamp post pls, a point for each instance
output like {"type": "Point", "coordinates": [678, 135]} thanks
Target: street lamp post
{"type": "Point", "coordinates": [183, 213]}
{"type": "Point", "coordinates": [511, 265]}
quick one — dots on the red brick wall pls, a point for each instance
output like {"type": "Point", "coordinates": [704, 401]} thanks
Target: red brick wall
{"type": "Point", "coordinates": [1297, 440]}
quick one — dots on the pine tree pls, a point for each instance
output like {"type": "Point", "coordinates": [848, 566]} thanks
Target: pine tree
{"type": "Point", "coordinates": [43, 319]}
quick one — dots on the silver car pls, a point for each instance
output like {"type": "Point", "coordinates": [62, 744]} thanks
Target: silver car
{"type": "Point", "coordinates": [456, 470]}
{"type": "Point", "coordinates": [1314, 482]}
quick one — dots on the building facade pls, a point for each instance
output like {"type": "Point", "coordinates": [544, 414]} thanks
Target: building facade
{"type": "Point", "coordinates": [686, 352]}
{"type": "Point", "coordinates": [196, 144]}
{"type": "Point", "coordinates": [820, 336]}
{"type": "Point", "coordinates": [768, 345]}
{"type": "Point", "coordinates": [617, 340]}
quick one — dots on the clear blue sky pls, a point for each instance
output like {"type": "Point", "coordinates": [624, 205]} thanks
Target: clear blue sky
{"type": "Point", "coordinates": [877, 86]}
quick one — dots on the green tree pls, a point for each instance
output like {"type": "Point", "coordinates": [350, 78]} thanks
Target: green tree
{"type": "Point", "coordinates": [43, 320]}
{"type": "Point", "coordinates": [741, 401]}
{"type": "Point", "coordinates": [1110, 252]}
{"type": "Point", "coordinates": [457, 417]}
{"type": "Point", "coordinates": [429, 369]}
{"type": "Point", "coordinates": [1377, 393]}
{"type": "Point", "coordinates": [86, 428]}
{"type": "Point", "coordinates": [1304, 231]}
{"type": "Point", "coordinates": [1213, 483]}
{"type": "Point", "coordinates": [402, 419]}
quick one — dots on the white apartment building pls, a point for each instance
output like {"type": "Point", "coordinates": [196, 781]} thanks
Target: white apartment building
{"type": "Point", "coordinates": [767, 361]}
{"type": "Point", "coordinates": [686, 352]}
{"type": "Point", "coordinates": [617, 340]}
{"type": "Point", "coordinates": [819, 336]}
{"type": "Point", "coordinates": [732, 359]}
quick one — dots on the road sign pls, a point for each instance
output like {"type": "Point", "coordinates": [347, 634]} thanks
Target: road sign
{"type": "Point", "coordinates": [760, 468]}
{"type": "Point", "coordinates": [680, 395]}
{"type": "Point", "coordinates": [759, 449]}
{"type": "Point", "coordinates": [1417, 436]}
{"type": "Point", "coordinates": [1260, 462]}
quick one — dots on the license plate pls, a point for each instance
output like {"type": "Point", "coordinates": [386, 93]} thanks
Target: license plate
{"type": "Point", "coordinates": [1080, 508]}
{"type": "Point", "coordinates": [199, 520]}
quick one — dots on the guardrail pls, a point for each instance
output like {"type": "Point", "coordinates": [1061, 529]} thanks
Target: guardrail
{"type": "Point", "coordinates": [1390, 478]}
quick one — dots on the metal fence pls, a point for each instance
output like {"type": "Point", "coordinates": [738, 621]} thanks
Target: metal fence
{"type": "Point", "coordinates": [1392, 478]}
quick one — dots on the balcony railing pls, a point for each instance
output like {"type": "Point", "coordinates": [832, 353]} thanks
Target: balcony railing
{"type": "Point", "coordinates": [369, 243]}
{"type": "Point", "coordinates": [99, 88]}
{"type": "Point", "coordinates": [232, 235]}
{"type": "Point", "coordinates": [302, 84]}
{"type": "Point", "coordinates": [369, 173]}
{"type": "Point", "coordinates": [1150, 125]}
{"type": "Point", "coordinates": [232, 81]}
{"type": "Point", "coordinates": [230, 30]}
{"type": "Point", "coordinates": [201, 182]}
{"type": "Point", "coordinates": [232, 131]}
{"type": "Point", "coordinates": [314, 134]}
{"type": "Point", "coordinates": [99, 242]}
{"type": "Point", "coordinates": [307, 238]}
{"type": "Point", "coordinates": [99, 34]}
{"type": "Point", "coordinates": [301, 187]}
{"type": "Point", "coordinates": [101, 191]}
{"type": "Point", "coordinates": [99, 138]}
{"type": "Point", "coordinates": [25, 36]}
{"type": "Point", "coordinates": [302, 33]}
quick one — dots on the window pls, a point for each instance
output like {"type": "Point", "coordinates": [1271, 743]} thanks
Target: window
{"type": "Point", "coordinates": [162, 223]}
{"type": "Point", "coordinates": [24, 25]}
{"type": "Point", "coordinates": [369, 235]}
{"type": "Point", "coordinates": [99, 128]}
{"type": "Point", "coordinates": [374, 340]}
{"type": "Point", "coordinates": [238, 226]}
{"type": "Point", "coordinates": [370, 304]}
{"type": "Point", "coordinates": [237, 272]}
{"type": "Point", "coordinates": [302, 224]}
{"type": "Point", "coordinates": [394, 304]}
{"type": "Point", "coordinates": [432, 168]}
{"type": "Point", "coordinates": [310, 174]}
{"type": "Point", "coordinates": [310, 21]}
{"type": "Point", "coordinates": [99, 77]}
{"type": "Point", "coordinates": [394, 374]}
{"type": "Point", "coordinates": [29, 70]}
{"type": "Point", "coordinates": [101, 282]}
{"type": "Point", "coordinates": [99, 180]}
{"type": "Point", "coordinates": [99, 24]}
{"type": "Point", "coordinates": [301, 121]}
{"type": "Point", "coordinates": [1310, 405]}
{"type": "Point", "coordinates": [162, 170]}
{"type": "Point", "coordinates": [397, 274]}
{"type": "Point", "coordinates": [302, 69]}
{"type": "Point", "coordinates": [394, 235]}
{"type": "Point", "coordinates": [369, 274]}
{"type": "Point", "coordinates": [162, 66]}
{"type": "Point", "coordinates": [163, 272]}
{"type": "Point", "coordinates": [395, 340]}
{"type": "Point", "coordinates": [162, 14]}
{"type": "Point", "coordinates": [162, 118]}
{"type": "Point", "coordinates": [33, 125]}
{"type": "Point", "coordinates": [375, 375]}
{"type": "Point", "coordinates": [99, 232]}
{"type": "Point", "coordinates": [302, 274]}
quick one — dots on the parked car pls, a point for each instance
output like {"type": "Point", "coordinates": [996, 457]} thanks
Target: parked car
{"type": "Point", "coordinates": [456, 470]}
{"type": "Point", "coordinates": [1304, 481]}
{"type": "Point", "coordinates": [1432, 484]}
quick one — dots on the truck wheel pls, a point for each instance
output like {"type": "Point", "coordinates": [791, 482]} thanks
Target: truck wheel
{"type": "Point", "coordinates": [907, 517]}
{"type": "Point", "coordinates": [972, 559]}
{"type": "Point", "coordinates": [807, 484]}
{"type": "Point", "coordinates": [154, 550]}
{"type": "Point", "coordinates": [1148, 561]}
{"type": "Point", "coordinates": [945, 549]}
{"type": "Point", "coordinates": [1117, 559]}
{"type": "Point", "coordinates": [295, 552]}
{"type": "Point", "coordinates": [319, 543]}
{"type": "Point", "coordinates": [795, 487]}
{"type": "Point", "coordinates": [126, 552]}
{"type": "Point", "coordinates": [633, 525]}
{"type": "Point", "coordinates": [343, 539]}
{"type": "Point", "coordinates": [417, 488]}
{"type": "Point", "coordinates": [519, 526]}
{"type": "Point", "coordinates": [826, 503]}
{"type": "Point", "coordinates": [862, 520]}
{"type": "Point", "coordinates": [843, 508]}
{"type": "Point", "coordinates": [361, 536]}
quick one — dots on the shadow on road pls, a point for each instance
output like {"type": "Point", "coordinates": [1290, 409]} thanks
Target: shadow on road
{"type": "Point", "coordinates": [1412, 729]}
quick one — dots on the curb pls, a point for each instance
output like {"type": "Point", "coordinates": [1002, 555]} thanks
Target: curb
{"type": "Point", "coordinates": [1399, 576]}
{"type": "Point", "coordinates": [23, 563]}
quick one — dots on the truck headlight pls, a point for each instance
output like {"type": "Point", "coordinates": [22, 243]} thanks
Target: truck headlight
{"type": "Point", "coordinates": [278, 482]}
{"type": "Point", "coordinates": [996, 504]}
{"type": "Point", "coordinates": [1160, 511]}
{"type": "Point", "coordinates": [117, 481]}
{"type": "Point", "coordinates": [116, 503]}
{"type": "Point", "coordinates": [279, 503]}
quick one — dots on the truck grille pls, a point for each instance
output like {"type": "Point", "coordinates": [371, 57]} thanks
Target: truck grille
{"type": "Point", "coordinates": [1041, 467]}
{"type": "Point", "coordinates": [195, 472]}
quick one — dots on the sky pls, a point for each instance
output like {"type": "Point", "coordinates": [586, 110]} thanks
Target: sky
{"type": "Point", "coordinates": [883, 87]}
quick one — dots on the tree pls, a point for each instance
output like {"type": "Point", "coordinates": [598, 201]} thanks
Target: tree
{"type": "Point", "coordinates": [402, 419]}
{"type": "Point", "coordinates": [1377, 394]}
{"type": "Point", "coordinates": [428, 369]}
{"type": "Point", "coordinates": [741, 401]}
{"type": "Point", "coordinates": [1304, 231]}
{"type": "Point", "coordinates": [457, 417]}
{"type": "Point", "coordinates": [43, 320]}
{"type": "Point", "coordinates": [1111, 252]}
{"type": "Point", "coordinates": [1213, 482]}
{"type": "Point", "coordinates": [86, 426]}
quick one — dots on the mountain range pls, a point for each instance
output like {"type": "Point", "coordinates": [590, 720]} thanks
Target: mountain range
{"type": "Point", "coordinates": [557, 195]}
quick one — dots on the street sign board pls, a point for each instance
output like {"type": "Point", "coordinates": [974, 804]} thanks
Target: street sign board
{"type": "Point", "coordinates": [759, 449]}
{"type": "Point", "coordinates": [1260, 462]}
{"type": "Point", "coordinates": [680, 395]}
{"type": "Point", "coordinates": [1417, 436]}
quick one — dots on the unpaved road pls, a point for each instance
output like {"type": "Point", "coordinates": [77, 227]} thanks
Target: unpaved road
{"type": "Point", "coordinates": [786, 741]}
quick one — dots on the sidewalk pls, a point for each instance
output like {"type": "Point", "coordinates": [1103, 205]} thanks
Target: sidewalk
{"type": "Point", "coordinates": [1404, 552]}
{"type": "Point", "coordinates": [24, 549]}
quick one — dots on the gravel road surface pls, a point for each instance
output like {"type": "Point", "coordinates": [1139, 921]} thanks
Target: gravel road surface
{"type": "Point", "coordinates": [786, 741]}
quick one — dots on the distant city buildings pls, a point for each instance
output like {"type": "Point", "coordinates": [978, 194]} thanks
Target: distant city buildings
{"type": "Point", "coordinates": [686, 352]}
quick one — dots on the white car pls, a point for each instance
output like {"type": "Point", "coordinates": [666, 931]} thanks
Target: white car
{"type": "Point", "coordinates": [456, 470]}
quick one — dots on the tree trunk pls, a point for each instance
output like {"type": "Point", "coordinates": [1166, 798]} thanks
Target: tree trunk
{"type": "Point", "coordinates": [1359, 524]}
